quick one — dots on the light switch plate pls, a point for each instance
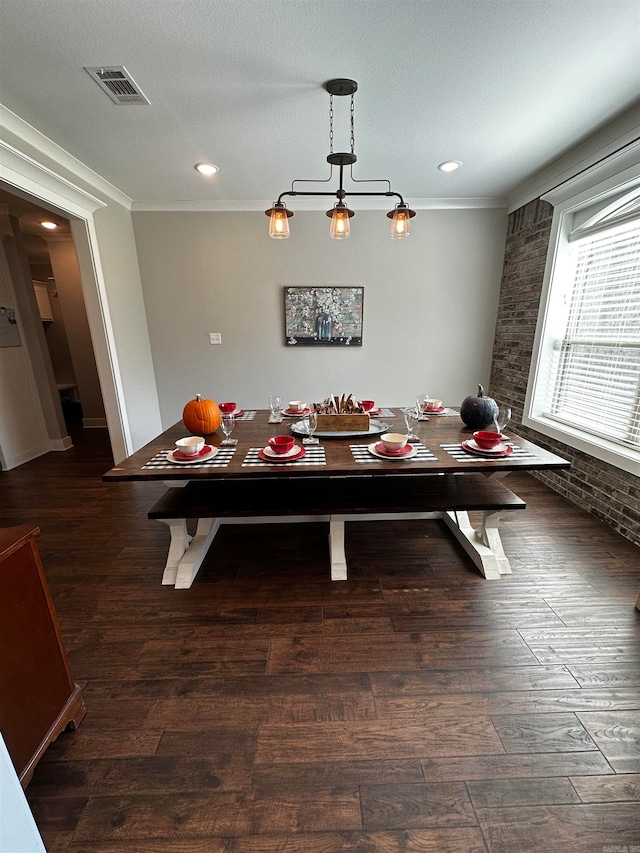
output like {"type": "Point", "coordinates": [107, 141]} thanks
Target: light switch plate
{"type": "Point", "coordinates": [215, 338]}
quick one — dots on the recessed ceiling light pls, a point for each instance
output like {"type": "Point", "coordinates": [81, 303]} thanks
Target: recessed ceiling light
{"type": "Point", "coordinates": [48, 224]}
{"type": "Point", "coordinates": [207, 169]}
{"type": "Point", "coordinates": [449, 165]}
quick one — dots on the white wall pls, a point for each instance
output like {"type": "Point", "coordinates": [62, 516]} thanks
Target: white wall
{"type": "Point", "coordinates": [429, 305]}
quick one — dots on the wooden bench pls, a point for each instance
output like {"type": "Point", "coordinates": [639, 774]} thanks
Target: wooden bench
{"type": "Point", "coordinates": [336, 500]}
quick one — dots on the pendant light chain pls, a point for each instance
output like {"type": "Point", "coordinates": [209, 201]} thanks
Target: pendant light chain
{"type": "Point", "coordinates": [331, 124]}
{"type": "Point", "coordinates": [353, 141]}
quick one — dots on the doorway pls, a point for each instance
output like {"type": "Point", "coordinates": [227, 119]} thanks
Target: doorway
{"type": "Point", "coordinates": [57, 336]}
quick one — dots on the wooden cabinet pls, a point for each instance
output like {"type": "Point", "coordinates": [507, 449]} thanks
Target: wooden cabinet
{"type": "Point", "coordinates": [38, 698]}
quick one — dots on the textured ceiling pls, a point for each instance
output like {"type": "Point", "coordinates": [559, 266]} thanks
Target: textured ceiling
{"type": "Point", "coordinates": [506, 86]}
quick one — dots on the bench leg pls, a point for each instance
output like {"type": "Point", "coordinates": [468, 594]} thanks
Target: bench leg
{"type": "Point", "coordinates": [489, 535]}
{"type": "Point", "coordinates": [196, 552]}
{"type": "Point", "coordinates": [180, 540]}
{"type": "Point", "coordinates": [336, 548]}
{"type": "Point", "coordinates": [482, 545]}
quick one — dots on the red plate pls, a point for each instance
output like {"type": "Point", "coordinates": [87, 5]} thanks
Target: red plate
{"type": "Point", "coordinates": [486, 454]}
{"type": "Point", "coordinates": [380, 448]}
{"type": "Point", "coordinates": [433, 411]}
{"type": "Point", "coordinates": [301, 452]}
{"type": "Point", "coordinates": [297, 414]}
{"type": "Point", "coordinates": [184, 457]}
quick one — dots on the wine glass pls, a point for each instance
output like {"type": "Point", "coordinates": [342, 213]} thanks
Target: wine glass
{"type": "Point", "coordinates": [410, 416]}
{"type": "Point", "coordinates": [228, 423]}
{"type": "Point", "coordinates": [422, 398]}
{"type": "Point", "coordinates": [311, 424]}
{"type": "Point", "coordinates": [274, 409]}
{"type": "Point", "coordinates": [502, 418]}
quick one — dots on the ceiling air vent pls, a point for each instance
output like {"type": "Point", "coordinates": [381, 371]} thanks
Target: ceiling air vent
{"type": "Point", "coordinates": [118, 84]}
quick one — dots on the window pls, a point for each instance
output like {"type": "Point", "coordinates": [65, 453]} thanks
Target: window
{"type": "Point", "coordinates": [584, 385]}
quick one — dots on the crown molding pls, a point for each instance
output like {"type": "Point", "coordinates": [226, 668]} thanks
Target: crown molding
{"type": "Point", "coordinates": [41, 144]}
{"type": "Point", "coordinates": [301, 203]}
{"type": "Point", "coordinates": [608, 143]}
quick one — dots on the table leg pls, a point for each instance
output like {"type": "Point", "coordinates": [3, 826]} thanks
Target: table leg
{"type": "Point", "coordinates": [180, 540]}
{"type": "Point", "coordinates": [336, 548]}
{"type": "Point", "coordinates": [482, 545]}
{"type": "Point", "coordinates": [196, 552]}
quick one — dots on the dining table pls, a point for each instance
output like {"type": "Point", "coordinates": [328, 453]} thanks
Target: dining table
{"type": "Point", "coordinates": [441, 470]}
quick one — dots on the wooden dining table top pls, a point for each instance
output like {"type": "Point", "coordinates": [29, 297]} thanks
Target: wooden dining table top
{"type": "Point", "coordinates": [446, 430]}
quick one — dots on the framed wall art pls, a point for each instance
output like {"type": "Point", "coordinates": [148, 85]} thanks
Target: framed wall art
{"type": "Point", "coordinates": [323, 316]}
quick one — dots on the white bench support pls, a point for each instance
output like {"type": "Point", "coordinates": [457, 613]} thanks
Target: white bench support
{"type": "Point", "coordinates": [186, 554]}
{"type": "Point", "coordinates": [483, 544]}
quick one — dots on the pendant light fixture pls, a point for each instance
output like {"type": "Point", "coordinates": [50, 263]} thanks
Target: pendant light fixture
{"type": "Point", "coordinates": [340, 214]}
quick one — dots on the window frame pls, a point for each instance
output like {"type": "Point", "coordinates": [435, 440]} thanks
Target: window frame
{"type": "Point", "coordinates": [618, 174]}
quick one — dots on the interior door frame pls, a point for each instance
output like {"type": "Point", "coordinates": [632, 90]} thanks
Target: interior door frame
{"type": "Point", "coordinates": [23, 175]}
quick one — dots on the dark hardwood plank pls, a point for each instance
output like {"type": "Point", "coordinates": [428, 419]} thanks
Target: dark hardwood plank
{"type": "Point", "coordinates": [617, 735]}
{"type": "Point", "coordinates": [428, 804]}
{"type": "Point", "coordinates": [375, 740]}
{"type": "Point", "coordinates": [202, 714]}
{"type": "Point", "coordinates": [608, 789]}
{"type": "Point", "coordinates": [496, 767]}
{"type": "Point", "coordinates": [525, 702]}
{"type": "Point", "coordinates": [579, 828]}
{"type": "Point", "coordinates": [401, 651]}
{"type": "Point", "coordinates": [606, 675]}
{"type": "Point", "coordinates": [310, 776]}
{"type": "Point", "coordinates": [128, 819]}
{"type": "Point", "coordinates": [476, 680]}
{"type": "Point", "coordinates": [542, 733]}
{"type": "Point", "coordinates": [521, 792]}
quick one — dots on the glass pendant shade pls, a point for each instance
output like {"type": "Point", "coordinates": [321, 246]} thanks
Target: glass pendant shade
{"type": "Point", "coordinates": [400, 224]}
{"type": "Point", "coordinates": [340, 228]}
{"type": "Point", "coordinates": [279, 223]}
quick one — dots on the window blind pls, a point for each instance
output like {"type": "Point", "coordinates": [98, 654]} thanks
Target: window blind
{"type": "Point", "coordinates": [595, 380]}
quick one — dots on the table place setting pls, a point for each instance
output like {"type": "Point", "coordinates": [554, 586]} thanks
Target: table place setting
{"type": "Point", "coordinates": [296, 455]}
{"type": "Point", "coordinates": [394, 447]}
{"type": "Point", "coordinates": [209, 457]}
{"type": "Point", "coordinates": [465, 451]}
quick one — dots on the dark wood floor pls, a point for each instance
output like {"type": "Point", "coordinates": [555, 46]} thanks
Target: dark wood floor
{"type": "Point", "coordinates": [415, 707]}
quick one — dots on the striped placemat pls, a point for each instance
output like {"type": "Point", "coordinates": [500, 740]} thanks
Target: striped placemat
{"type": "Point", "coordinates": [361, 454]}
{"type": "Point", "coordinates": [314, 456]}
{"type": "Point", "coordinates": [384, 413]}
{"type": "Point", "coordinates": [461, 455]}
{"type": "Point", "coordinates": [220, 460]}
{"type": "Point", "coordinates": [247, 415]}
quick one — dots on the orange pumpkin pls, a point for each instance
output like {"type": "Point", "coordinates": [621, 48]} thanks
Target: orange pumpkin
{"type": "Point", "coordinates": [201, 416]}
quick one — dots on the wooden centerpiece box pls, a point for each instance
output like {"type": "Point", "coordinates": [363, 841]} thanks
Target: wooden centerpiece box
{"type": "Point", "coordinates": [352, 422]}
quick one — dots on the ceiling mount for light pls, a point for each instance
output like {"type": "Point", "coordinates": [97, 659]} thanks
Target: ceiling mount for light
{"type": "Point", "coordinates": [340, 214]}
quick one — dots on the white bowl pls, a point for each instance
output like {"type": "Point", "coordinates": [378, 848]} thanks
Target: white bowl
{"type": "Point", "coordinates": [191, 445]}
{"type": "Point", "coordinates": [393, 440]}
{"type": "Point", "coordinates": [433, 405]}
{"type": "Point", "coordinates": [297, 405]}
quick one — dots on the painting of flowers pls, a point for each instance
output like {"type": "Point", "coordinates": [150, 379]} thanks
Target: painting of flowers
{"type": "Point", "coordinates": [323, 316]}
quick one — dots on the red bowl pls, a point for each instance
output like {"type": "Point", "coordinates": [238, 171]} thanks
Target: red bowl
{"type": "Point", "coordinates": [227, 408]}
{"type": "Point", "coordinates": [281, 443]}
{"type": "Point", "coordinates": [367, 405]}
{"type": "Point", "coordinates": [487, 440]}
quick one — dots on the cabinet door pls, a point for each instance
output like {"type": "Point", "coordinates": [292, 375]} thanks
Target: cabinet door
{"type": "Point", "coordinates": [44, 303]}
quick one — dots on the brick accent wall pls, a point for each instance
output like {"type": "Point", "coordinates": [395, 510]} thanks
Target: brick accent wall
{"type": "Point", "coordinates": [606, 492]}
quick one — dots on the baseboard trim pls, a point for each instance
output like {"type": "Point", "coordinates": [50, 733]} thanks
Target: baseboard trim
{"type": "Point", "coordinates": [60, 443]}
